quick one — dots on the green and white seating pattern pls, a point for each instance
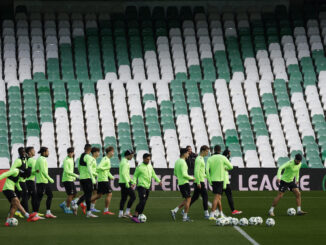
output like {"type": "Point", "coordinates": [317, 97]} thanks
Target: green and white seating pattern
{"type": "Point", "coordinates": [154, 80]}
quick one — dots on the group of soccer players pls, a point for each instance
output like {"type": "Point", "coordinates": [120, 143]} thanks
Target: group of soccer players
{"type": "Point", "coordinates": [95, 182]}
{"type": "Point", "coordinates": [216, 172]}
{"type": "Point", "coordinates": [20, 184]}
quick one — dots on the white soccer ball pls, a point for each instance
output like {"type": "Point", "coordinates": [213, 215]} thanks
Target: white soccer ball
{"type": "Point", "coordinates": [228, 220]}
{"type": "Point", "coordinates": [220, 222]}
{"type": "Point", "coordinates": [235, 221]}
{"type": "Point", "coordinates": [13, 222]}
{"type": "Point", "coordinates": [270, 222]}
{"type": "Point", "coordinates": [142, 218]}
{"type": "Point", "coordinates": [253, 221]}
{"type": "Point", "coordinates": [291, 212]}
{"type": "Point", "coordinates": [259, 220]}
{"type": "Point", "coordinates": [243, 222]}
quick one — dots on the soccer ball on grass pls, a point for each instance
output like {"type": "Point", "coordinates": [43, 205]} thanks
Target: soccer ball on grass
{"type": "Point", "coordinates": [142, 218]}
{"type": "Point", "coordinates": [270, 222]}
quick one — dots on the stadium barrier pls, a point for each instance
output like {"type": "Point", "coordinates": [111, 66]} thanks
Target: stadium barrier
{"type": "Point", "coordinates": [243, 179]}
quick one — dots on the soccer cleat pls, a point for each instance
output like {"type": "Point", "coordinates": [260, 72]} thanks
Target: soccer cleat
{"type": "Point", "coordinates": [7, 224]}
{"type": "Point", "coordinates": [62, 206]}
{"type": "Point", "coordinates": [50, 216]}
{"type": "Point", "coordinates": [95, 210]}
{"type": "Point", "coordinates": [83, 207]}
{"type": "Point", "coordinates": [68, 211]}
{"type": "Point", "coordinates": [187, 220]}
{"type": "Point", "coordinates": [128, 216]}
{"type": "Point", "coordinates": [120, 216]}
{"type": "Point", "coordinates": [19, 214]}
{"type": "Point", "coordinates": [108, 213]}
{"type": "Point", "coordinates": [206, 216]}
{"type": "Point", "coordinates": [236, 212]}
{"type": "Point", "coordinates": [135, 219]}
{"type": "Point", "coordinates": [34, 219]}
{"type": "Point", "coordinates": [90, 215]}
{"type": "Point", "coordinates": [31, 216]}
{"type": "Point", "coordinates": [301, 212]}
{"type": "Point", "coordinates": [212, 218]}
{"type": "Point", "coordinates": [271, 214]}
{"type": "Point", "coordinates": [41, 215]}
{"type": "Point", "coordinates": [173, 214]}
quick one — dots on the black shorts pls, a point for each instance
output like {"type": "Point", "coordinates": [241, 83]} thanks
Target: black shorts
{"type": "Point", "coordinates": [86, 185]}
{"type": "Point", "coordinates": [95, 187]}
{"type": "Point", "coordinates": [70, 188]}
{"type": "Point", "coordinates": [104, 187]}
{"type": "Point", "coordinates": [217, 187]}
{"type": "Point", "coordinates": [287, 186]}
{"type": "Point", "coordinates": [9, 194]}
{"type": "Point", "coordinates": [185, 190]}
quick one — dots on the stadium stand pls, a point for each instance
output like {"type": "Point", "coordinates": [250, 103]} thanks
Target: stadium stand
{"type": "Point", "coordinates": [157, 79]}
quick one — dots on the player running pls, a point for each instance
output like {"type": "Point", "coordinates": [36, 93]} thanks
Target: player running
{"type": "Point", "coordinates": [104, 176]}
{"type": "Point", "coordinates": [125, 184]}
{"type": "Point", "coordinates": [181, 172]}
{"type": "Point", "coordinates": [287, 182]}
{"type": "Point", "coordinates": [30, 181]}
{"type": "Point", "coordinates": [87, 180]}
{"type": "Point", "coordinates": [95, 154]}
{"type": "Point", "coordinates": [11, 183]}
{"type": "Point", "coordinates": [20, 163]}
{"type": "Point", "coordinates": [68, 178]}
{"type": "Point", "coordinates": [42, 182]}
{"type": "Point", "coordinates": [227, 187]}
{"type": "Point", "coordinates": [143, 178]}
{"type": "Point", "coordinates": [217, 164]}
{"type": "Point", "coordinates": [200, 176]}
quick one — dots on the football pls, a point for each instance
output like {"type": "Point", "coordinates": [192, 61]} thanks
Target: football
{"type": "Point", "coordinates": [253, 221]}
{"type": "Point", "coordinates": [270, 222]}
{"type": "Point", "coordinates": [220, 222]}
{"type": "Point", "coordinates": [142, 218]}
{"type": "Point", "coordinates": [235, 221]}
{"type": "Point", "coordinates": [291, 212]}
{"type": "Point", "coordinates": [13, 222]}
{"type": "Point", "coordinates": [259, 220]}
{"type": "Point", "coordinates": [243, 222]}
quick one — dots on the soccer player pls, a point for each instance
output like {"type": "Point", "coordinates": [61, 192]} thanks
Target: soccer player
{"type": "Point", "coordinates": [87, 180]}
{"type": "Point", "coordinates": [181, 172]}
{"type": "Point", "coordinates": [104, 176]}
{"type": "Point", "coordinates": [125, 184]}
{"type": "Point", "coordinates": [227, 187]}
{"type": "Point", "coordinates": [217, 164]}
{"type": "Point", "coordinates": [42, 182]}
{"type": "Point", "coordinates": [143, 177]}
{"type": "Point", "coordinates": [20, 163]}
{"type": "Point", "coordinates": [289, 181]}
{"type": "Point", "coordinates": [11, 183]}
{"type": "Point", "coordinates": [200, 176]}
{"type": "Point", "coordinates": [68, 178]}
{"type": "Point", "coordinates": [191, 159]}
{"type": "Point", "coordinates": [30, 181]}
{"type": "Point", "coordinates": [95, 154]}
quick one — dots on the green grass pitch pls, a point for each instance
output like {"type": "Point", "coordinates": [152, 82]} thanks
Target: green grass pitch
{"type": "Point", "coordinates": [161, 229]}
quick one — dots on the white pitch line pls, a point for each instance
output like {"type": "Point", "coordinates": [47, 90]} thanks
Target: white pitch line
{"type": "Point", "coordinates": [249, 238]}
{"type": "Point", "coordinates": [242, 232]}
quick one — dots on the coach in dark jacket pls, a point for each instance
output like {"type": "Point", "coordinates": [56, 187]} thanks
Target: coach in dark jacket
{"type": "Point", "coordinates": [191, 160]}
